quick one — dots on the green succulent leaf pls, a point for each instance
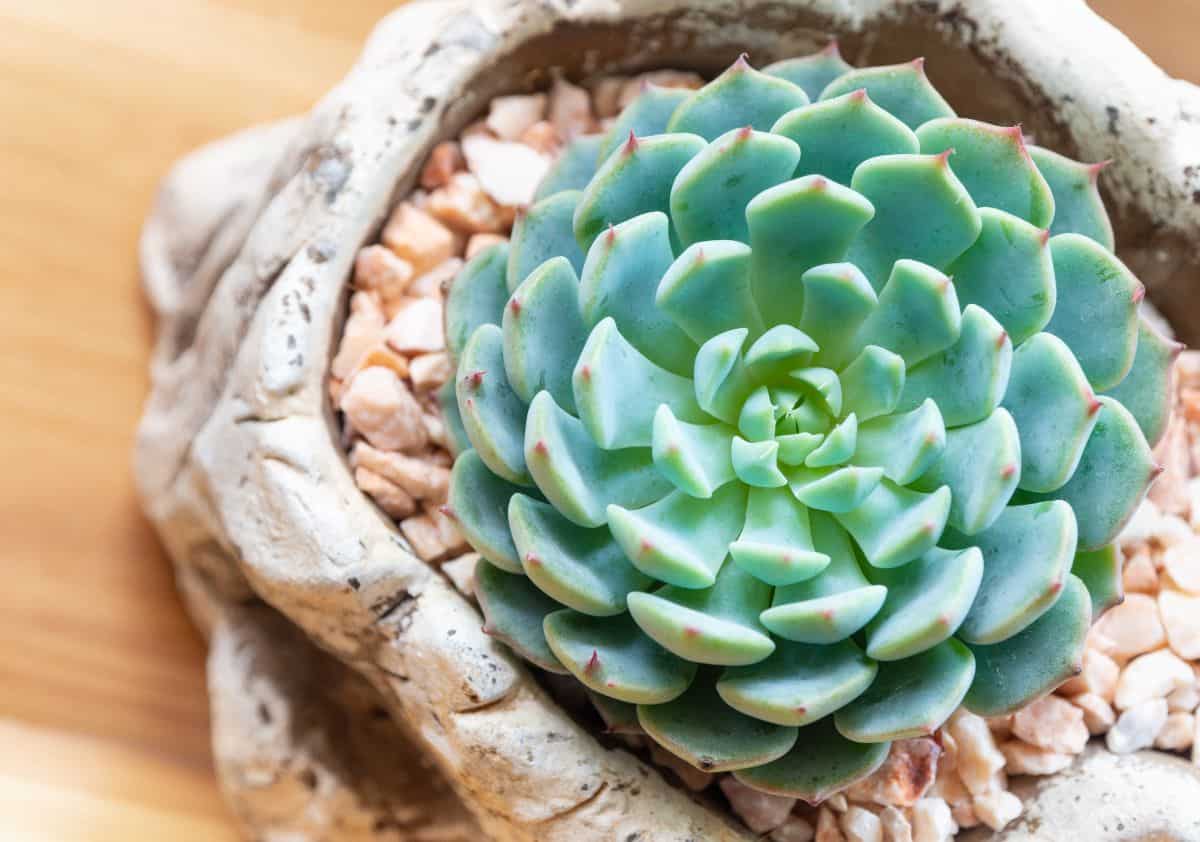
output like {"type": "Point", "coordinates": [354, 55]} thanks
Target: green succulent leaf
{"type": "Point", "coordinates": [694, 457]}
{"type": "Point", "coordinates": [1078, 208]}
{"type": "Point", "coordinates": [967, 380]}
{"type": "Point", "coordinates": [834, 489]}
{"type": "Point", "coordinates": [701, 729]}
{"type": "Point", "coordinates": [620, 280]}
{"type": "Point", "coordinates": [479, 500]}
{"type": "Point", "coordinates": [493, 414]}
{"type": "Point", "coordinates": [926, 602]}
{"type": "Point", "coordinates": [579, 567]}
{"type": "Point", "coordinates": [776, 543]}
{"type": "Point", "coordinates": [715, 625]}
{"type": "Point", "coordinates": [872, 383]}
{"type": "Point", "coordinates": [780, 350]}
{"type": "Point", "coordinates": [613, 657]}
{"type": "Point", "coordinates": [543, 332]}
{"type": "Point", "coordinates": [573, 168]}
{"type": "Point", "coordinates": [903, 90]}
{"type": "Point", "coordinates": [994, 165]}
{"type": "Point", "coordinates": [821, 763]}
{"type": "Point", "coordinates": [922, 213]}
{"type": "Point", "coordinates": [681, 540]}
{"type": "Point", "coordinates": [477, 296]}
{"type": "Point", "coordinates": [1146, 390]}
{"type": "Point", "coordinates": [834, 604]}
{"type": "Point", "coordinates": [1100, 572]}
{"type": "Point", "coordinates": [799, 683]}
{"type": "Point", "coordinates": [645, 116]}
{"type": "Point", "coordinates": [707, 291]}
{"type": "Point", "coordinates": [741, 96]}
{"type": "Point", "coordinates": [722, 382]}
{"type": "Point", "coordinates": [838, 298]}
{"type": "Point", "coordinates": [710, 193]}
{"type": "Point", "coordinates": [917, 316]}
{"type": "Point", "coordinates": [795, 226]}
{"type": "Point", "coordinates": [578, 477]}
{"type": "Point", "coordinates": [541, 233]}
{"type": "Point", "coordinates": [1014, 672]}
{"type": "Point", "coordinates": [895, 525]}
{"type": "Point", "coordinates": [911, 697]}
{"type": "Point", "coordinates": [634, 180]}
{"type": "Point", "coordinates": [456, 434]}
{"type": "Point", "coordinates": [1027, 555]}
{"type": "Point", "coordinates": [836, 135]}
{"type": "Point", "coordinates": [1055, 409]}
{"type": "Point", "coordinates": [813, 72]}
{"type": "Point", "coordinates": [838, 446]}
{"type": "Point", "coordinates": [905, 446]}
{"type": "Point", "coordinates": [756, 463]}
{"type": "Point", "coordinates": [619, 717]}
{"type": "Point", "coordinates": [513, 610]}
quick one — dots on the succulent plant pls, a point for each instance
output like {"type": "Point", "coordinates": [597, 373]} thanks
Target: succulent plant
{"type": "Point", "coordinates": [798, 412]}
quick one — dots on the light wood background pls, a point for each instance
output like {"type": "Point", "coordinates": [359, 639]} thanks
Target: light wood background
{"type": "Point", "coordinates": [103, 719]}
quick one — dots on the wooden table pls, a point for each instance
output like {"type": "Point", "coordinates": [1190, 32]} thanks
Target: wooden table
{"type": "Point", "coordinates": [103, 720]}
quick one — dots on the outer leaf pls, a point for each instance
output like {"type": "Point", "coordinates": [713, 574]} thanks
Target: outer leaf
{"type": "Point", "coordinates": [704, 731]}
{"type": "Point", "coordinates": [838, 298]}
{"type": "Point", "coordinates": [681, 540]}
{"type": "Point", "coordinates": [926, 602]}
{"type": "Point", "coordinates": [479, 500]}
{"type": "Point", "coordinates": [1100, 572]}
{"type": "Point", "coordinates": [922, 212]}
{"type": "Point", "coordinates": [1018, 670]}
{"type": "Point", "coordinates": [838, 134]}
{"type": "Point", "coordinates": [1114, 472]}
{"type": "Point", "coordinates": [901, 89]}
{"type": "Point", "coordinates": [611, 656]}
{"type": "Point", "coordinates": [543, 232]}
{"type": "Point", "coordinates": [741, 96]}
{"type": "Point", "coordinates": [799, 683]}
{"type": "Point", "coordinates": [694, 457]}
{"type": "Point", "coordinates": [895, 525]}
{"type": "Point", "coordinates": [831, 606]}
{"type": "Point", "coordinates": [1078, 207]}
{"type": "Point", "coordinates": [620, 279]}
{"type": "Point", "coordinates": [721, 381]}
{"type": "Point", "coordinates": [573, 168]}
{"type": "Point", "coordinates": [1055, 410]}
{"type": "Point", "coordinates": [795, 226]}
{"type": "Point", "coordinates": [1027, 556]}
{"type": "Point", "coordinates": [493, 414]}
{"type": "Point", "coordinates": [578, 567]}
{"type": "Point", "coordinates": [647, 115]}
{"type": "Point", "coordinates": [456, 433]}
{"type": "Point", "coordinates": [634, 180]}
{"type": "Point", "coordinates": [812, 72]}
{"type": "Point", "coordinates": [707, 291]}
{"type": "Point", "coordinates": [709, 197]}
{"type": "Point", "coordinates": [822, 763]}
{"type": "Point", "coordinates": [1007, 271]}
{"type": "Point", "coordinates": [776, 542]}
{"type": "Point", "coordinates": [993, 164]}
{"type": "Point", "coordinates": [543, 333]}
{"type": "Point", "coordinates": [513, 609]}
{"type": "Point", "coordinates": [619, 717]}
{"type": "Point", "coordinates": [579, 478]}
{"type": "Point", "coordinates": [910, 698]}
{"type": "Point", "coordinates": [917, 316]}
{"type": "Point", "coordinates": [617, 391]}
{"type": "Point", "coordinates": [1097, 308]}
{"type": "Point", "coordinates": [715, 625]}
{"type": "Point", "coordinates": [1146, 390]}
{"type": "Point", "coordinates": [476, 297]}
{"type": "Point", "coordinates": [968, 379]}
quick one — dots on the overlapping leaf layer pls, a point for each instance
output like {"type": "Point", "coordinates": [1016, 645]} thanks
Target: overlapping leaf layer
{"type": "Point", "coordinates": [798, 412]}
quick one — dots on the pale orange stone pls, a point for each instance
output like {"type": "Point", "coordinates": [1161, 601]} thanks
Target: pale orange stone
{"type": "Point", "coordinates": [387, 495]}
{"type": "Point", "coordinates": [382, 409]}
{"type": "Point", "coordinates": [1180, 614]}
{"type": "Point", "coordinates": [1051, 723]}
{"type": "Point", "coordinates": [1140, 574]}
{"type": "Point", "coordinates": [364, 328]}
{"type": "Point", "coordinates": [444, 161]}
{"type": "Point", "coordinates": [1152, 676]}
{"type": "Point", "coordinates": [380, 271]}
{"type": "Point", "coordinates": [1170, 491]}
{"type": "Point", "coordinates": [1177, 734]}
{"type": "Point", "coordinates": [1098, 714]}
{"type": "Point", "coordinates": [510, 116]}
{"type": "Point", "coordinates": [1026, 759]}
{"type": "Point", "coordinates": [415, 236]}
{"type": "Point", "coordinates": [827, 827]}
{"type": "Point", "coordinates": [430, 371]}
{"type": "Point", "coordinates": [905, 776]}
{"type": "Point", "coordinates": [463, 205]}
{"type": "Point", "coordinates": [543, 138]}
{"type": "Point", "coordinates": [420, 479]}
{"type": "Point", "coordinates": [1181, 562]}
{"type": "Point", "coordinates": [606, 96]}
{"type": "Point", "coordinates": [570, 109]}
{"type": "Point", "coordinates": [480, 242]}
{"type": "Point", "coordinates": [418, 327]}
{"type": "Point", "coordinates": [508, 172]}
{"type": "Point", "coordinates": [1131, 628]}
{"type": "Point", "coordinates": [436, 282]}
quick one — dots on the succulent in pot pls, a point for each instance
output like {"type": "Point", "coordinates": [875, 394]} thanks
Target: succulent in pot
{"type": "Point", "coordinates": [799, 411]}
{"type": "Point", "coordinates": [250, 252]}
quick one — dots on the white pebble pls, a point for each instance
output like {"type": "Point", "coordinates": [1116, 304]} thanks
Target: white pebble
{"type": "Point", "coordinates": [1180, 614]}
{"type": "Point", "coordinates": [1137, 727]}
{"type": "Point", "coordinates": [932, 822]}
{"type": "Point", "coordinates": [1177, 732]}
{"type": "Point", "coordinates": [1152, 676]}
{"type": "Point", "coordinates": [996, 809]}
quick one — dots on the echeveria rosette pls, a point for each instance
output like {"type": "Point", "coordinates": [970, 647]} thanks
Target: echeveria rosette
{"type": "Point", "coordinates": [800, 411]}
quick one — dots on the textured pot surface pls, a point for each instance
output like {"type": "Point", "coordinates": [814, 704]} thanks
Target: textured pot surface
{"type": "Point", "coordinates": [247, 259]}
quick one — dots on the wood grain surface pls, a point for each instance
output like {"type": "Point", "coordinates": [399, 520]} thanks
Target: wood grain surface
{"type": "Point", "coordinates": [103, 716]}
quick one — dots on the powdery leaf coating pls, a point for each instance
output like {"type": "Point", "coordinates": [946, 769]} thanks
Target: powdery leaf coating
{"type": "Point", "coordinates": [786, 361]}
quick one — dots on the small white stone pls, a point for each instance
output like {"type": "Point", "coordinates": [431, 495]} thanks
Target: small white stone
{"type": "Point", "coordinates": [1180, 614]}
{"type": "Point", "coordinates": [429, 371]}
{"type": "Point", "coordinates": [795, 829]}
{"type": "Point", "coordinates": [381, 408]}
{"type": "Point", "coordinates": [760, 811]}
{"type": "Point", "coordinates": [859, 825]}
{"type": "Point", "coordinates": [1052, 723]}
{"type": "Point", "coordinates": [1184, 700]}
{"type": "Point", "coordinates": [978, 757]}
{"type": "Point", "coordinates": [827, 827]}
{"type": "Point", "coordinates": [461, 572]}
{"type": "Point", "coordinates": [570, 109]}
{"type": "Point", "coordinates": [932, 821]}
{"type": "Point", "coordinates": [418, 238]}
{"type": "Point", "coordinates": [1177, 732]}
{"type": "Point", "coordinates": [996, 809]}
{"type": "Point", "coordinates": [837, 802]}
{"type": "Point", "coordinates": [417, 327]}
{"type": "Point", "coordinates": [509, 172]}
{"type": "Point", "coordinates": [1181, 562]}
{"type": "Point", "coordinates": [1152, 676]}
{"type": "Point", "coordinates": [1144, 524]}
{"type": "Point", "coordinates": [1140, 574]}
{"type": "Point", "coordinates": [1129, 629]}
{"type": "Point", "coordinates": [896, 827]}
{"type": "Point", "coordinates": [1099, 676]}
{"type": "Point", "coordinates": [510, 116]}
{"type": "Point", "coordinates": [1137, 727]}
{"type": "Point", "coordinates": [1098, 714]}
{"type": "Point", "coordinates": [1025, 759]}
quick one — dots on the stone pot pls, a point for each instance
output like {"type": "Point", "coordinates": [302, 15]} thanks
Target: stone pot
{"type": "Point", "coordinates": [247, 258]}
